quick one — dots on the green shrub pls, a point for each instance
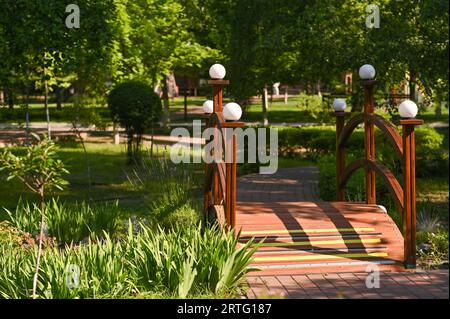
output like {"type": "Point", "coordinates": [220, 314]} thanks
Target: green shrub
{"type": "Point", "coordinates": [315, 142]}
{"type": "Point", "coordinates": [68, 222]}
{"type": "Point", "coordinates": [184, 262]}
{"type": "Point", "coordinates": [437, 250]}
{"type": "Point", "coordinates": [137, 108]}
{"type": "Point", "coordinates": [11, 235]}
{"type": "Point", "coordinates": [355, 189]}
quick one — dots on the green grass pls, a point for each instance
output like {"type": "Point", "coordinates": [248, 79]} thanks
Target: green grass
{"type": "Point", "coordinates": [301, 108]}
{"type": "Point", "coordinates": [109, 178]}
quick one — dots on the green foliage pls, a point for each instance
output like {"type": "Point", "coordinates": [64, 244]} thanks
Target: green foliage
{"type": "Point", "coordinates": [135, 106]}
{"type": "Point", "coordinates": [83, 113]}
{"type": "Point", "coordinates": [316, 141]}
{"type": "Point", "coordinates": [168, 189]}
{"type": "Point", "coordinates": [38, 169]}
{"type": "Point", "coordinates": [321, 140]}
{"type": "Point", "coordinates": [156, 38]}
{"type": "Point", "coordinates": [437, 251]}
{"type": "Point", "coordinates": [185, 262]}
{"type": "Point", "coordinates": [69, 222]}
{"type": "Point", "coordinates": [14, 236]}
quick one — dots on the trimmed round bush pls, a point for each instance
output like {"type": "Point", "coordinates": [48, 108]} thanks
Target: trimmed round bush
{"type": "Point", "coordinates": [137, 108]}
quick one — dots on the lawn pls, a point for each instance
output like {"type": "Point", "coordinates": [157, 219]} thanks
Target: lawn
{"type": "Point", "coordinates": [299, 109]}
{"type": "Point", "coordinates": [109, 178]}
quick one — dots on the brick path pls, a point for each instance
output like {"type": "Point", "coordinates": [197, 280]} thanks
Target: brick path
{"type": "Point", "coordinates": [301, 184]}
{"type": "Point", "coordinates": [393, 285]}
{"type": "Point", "coordinates": [287, 185]}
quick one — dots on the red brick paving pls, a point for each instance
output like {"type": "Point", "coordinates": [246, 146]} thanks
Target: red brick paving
{"type": "Point", "coordinates": [300, 184]}
{"type": "Point", "coordinates": [350, 286]}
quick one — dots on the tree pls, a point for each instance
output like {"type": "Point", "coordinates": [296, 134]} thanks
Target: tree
{"type": "Point", "coordinates": [40, 171]}
{"type": "Point", "coordinates": [137, 108]}
{"type": "Point", "coordinates": [158, 39]}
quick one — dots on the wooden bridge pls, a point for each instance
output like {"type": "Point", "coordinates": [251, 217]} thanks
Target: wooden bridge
{"type": "Point", "coordinates": [318, 236]}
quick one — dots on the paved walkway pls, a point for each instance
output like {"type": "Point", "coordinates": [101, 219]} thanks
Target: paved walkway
{"type": "Point", "coordinates": [392, 285]}
{"type": "Point", "coordinates": [301, 184]}
{"type": "Point", "coordinates": [287, 185]}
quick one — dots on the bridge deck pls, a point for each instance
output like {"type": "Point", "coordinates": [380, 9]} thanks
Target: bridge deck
{"type": "Point", "coordinates": [319, 237]}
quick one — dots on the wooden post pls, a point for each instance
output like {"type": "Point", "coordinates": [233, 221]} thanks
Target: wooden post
{"type": "Point", "coordinates": [232, 203]}
{"type": "Point", "coordinates": [409, 191]}
{"type": "Point", "coordinates": [217, 91]}
{"type": "Point", "coordinates": [369, 139]}
{"type": "Point", "coordinates": [228, 179]}
{"type": "Point", "coordinates": [207, 196]}
{"type": "Point", "coordinates": [340, 156]}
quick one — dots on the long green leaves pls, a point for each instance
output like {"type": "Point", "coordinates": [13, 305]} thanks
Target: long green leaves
{"type": "Point", "coordinates": [68, 222]}
{"type": "Point", "coordinates": [181, 263]}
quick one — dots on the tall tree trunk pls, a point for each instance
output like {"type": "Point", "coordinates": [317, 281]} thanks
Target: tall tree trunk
{"type": "Point", "coordinates": [130, 146]}
{"type": "Point", "coordinates": [265, 106]}
{"type": "Point", "coordinates": [165, 96]}
{"type": "Point", "coordinates": [47, 112]}
{"type": "Point", "coordinates": [185, 104]}
{"type": "Point", "coordinates": [10, 97]}
{"type": "Point", "coordinates": [151, 145]}
{"type": "Point", "coordinates": [27, 116]}
{"type": "Point", "coordinates": [412, 86]}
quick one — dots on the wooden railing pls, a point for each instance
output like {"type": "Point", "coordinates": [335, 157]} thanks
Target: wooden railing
{"type": "Point", "coordinates": [220, 186]}
{"type": "Point", "coordinates": [404, 146]}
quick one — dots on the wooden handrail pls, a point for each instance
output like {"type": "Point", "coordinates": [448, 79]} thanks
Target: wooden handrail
{"type": "Point", "coordinates": [404, 146]}
{"type": "Point", "coordinates": [385, 126]}
{"type": "Point", "coordinates": [387, 176]}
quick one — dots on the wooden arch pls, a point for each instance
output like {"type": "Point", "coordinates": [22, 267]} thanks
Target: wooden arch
{"type": "Point", "coordinates": [387, 128]}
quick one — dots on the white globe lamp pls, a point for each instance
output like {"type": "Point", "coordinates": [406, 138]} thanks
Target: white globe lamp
{"type": "Point", "coordinates": [208, 106]}
{"type": "Point", "coordinates": [217, 72]}
{"type": "Point", "coordinates": [232, 111]}
{"type": "Point", "coordinates": [339, 105]}
{"type": "Point", "coordinates": [367, 72]}
{"type": "Point", "coordinates": [408, 109]}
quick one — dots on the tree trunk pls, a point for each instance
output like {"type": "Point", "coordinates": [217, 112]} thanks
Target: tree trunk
{"type": "Point", "coordinates": [130, 146]}
{"type": "Point", "coordinates": [116, 134]}
{"type": "Point", "coordinates": [10, 98]}
{"type": "Point", "coordinates": [41, 235]}
{"type": "Point", "coordinates": [412, 86]}
{"type": "Point", "coordinates": [59, 97]}
{"type": "Point", "coordinates": [265, 106]}
{"type": "Point", "coordinates": [27, 117]}
{"type": "Point", "coordinates": [165, 96]}
{"type": "Point", "coordinates": [286, 96]}
{"type": "Point", "coordinates": [47, 113]}
{"type": "Point", "coordinates": [151, 145]}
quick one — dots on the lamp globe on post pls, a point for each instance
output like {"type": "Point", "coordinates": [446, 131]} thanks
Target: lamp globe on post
{"type": "Point", "coordinates": [367, 72]}
{"type": "Point", "coordinates": [208, 106]}
{"type": "Point", "coordinates": [232, 111]}
{"type": "Point", "coordinates": [408, 109]}
{"type": "Point", "coordinates": [339, 105]}
{"type": "Point", "coordinates": [217, 72]}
